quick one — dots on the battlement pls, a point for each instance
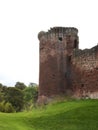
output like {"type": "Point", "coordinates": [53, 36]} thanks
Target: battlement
{"type": "Point", "coordinates": [58, 31]}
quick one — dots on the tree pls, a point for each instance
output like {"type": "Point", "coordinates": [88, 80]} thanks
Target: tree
{"type": "Point", "coordinates": [20, 85]}
{"type": "Point", "coordinates": [1, 96]}
{"type": "Point", "coordinates": [32, 85]}
{"type": "Point", "coordinates": [15, 97]}
{"type": "Point", "coordinates": [2, 92]}
{"type": "Point", "coordinates": [1, 87]}
{"type": "Point", "coordinates": [30, 95]}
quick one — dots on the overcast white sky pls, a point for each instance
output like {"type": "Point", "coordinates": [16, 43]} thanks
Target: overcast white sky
{"type": "Point", "coordinates": [20, 22]}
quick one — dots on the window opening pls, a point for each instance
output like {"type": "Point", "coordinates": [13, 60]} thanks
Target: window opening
{"type": "Point", "coordinates": [82, 85]}
{"type": "Point", "coordinates": [60, 38]}
{"type": "Point", "coordinates": [75, 43]}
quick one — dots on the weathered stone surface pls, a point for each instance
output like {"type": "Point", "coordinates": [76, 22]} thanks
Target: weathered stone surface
{"type": "Point", "coordinates": [84, 72]}
{"type": "Point", "coordinates": [56, 47]}
{"type": "Point", "coordinates": [65, 69]}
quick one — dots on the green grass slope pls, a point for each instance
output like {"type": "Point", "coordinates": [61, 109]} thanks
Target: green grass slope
{"type": "Point", "coordinates": [68, 115]}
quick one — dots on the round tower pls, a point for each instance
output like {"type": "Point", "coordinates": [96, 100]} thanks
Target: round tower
{"type": "Point", "coordinates": [56, 47]}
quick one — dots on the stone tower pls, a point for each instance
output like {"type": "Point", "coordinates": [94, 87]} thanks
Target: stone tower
{"type": "Point", "coordinates": [56, 47]}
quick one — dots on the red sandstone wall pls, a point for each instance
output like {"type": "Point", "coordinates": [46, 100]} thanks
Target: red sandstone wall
{"type": "Point", "coordinates": [55, 47]}
{"type": "Point", "coordinates": [64, 69]}
{"type": "Point", "coordinates": [84, 73]}
{"type": "Point", "coordinates": [52, 67]}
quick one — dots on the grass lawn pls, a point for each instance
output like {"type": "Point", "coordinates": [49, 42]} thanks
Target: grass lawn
{"type": "Point", "coordinates": [66, 115]}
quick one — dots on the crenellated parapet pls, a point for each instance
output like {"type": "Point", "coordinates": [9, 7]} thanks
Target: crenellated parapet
{"type": "Point", "coordinates": [58, 31]}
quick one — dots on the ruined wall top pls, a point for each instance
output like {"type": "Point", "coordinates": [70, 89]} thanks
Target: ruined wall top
{"type": "Point", "coordinates": [58, 31]}
{"type": "Point", "coordinates": [78, 52]}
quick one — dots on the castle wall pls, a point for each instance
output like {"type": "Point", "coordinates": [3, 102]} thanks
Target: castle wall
{"type": "Point", "coordinates": [84, 72]}
{"type": "Point", "coordinates": [65, 68]}
{"type": "Point", "coordinates": [56, 46]}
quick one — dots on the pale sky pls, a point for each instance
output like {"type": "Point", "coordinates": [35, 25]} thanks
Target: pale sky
{"type": "Point", "coordinates": [20, 22]}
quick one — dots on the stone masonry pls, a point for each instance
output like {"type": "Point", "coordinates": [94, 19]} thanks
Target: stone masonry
{"type": "Point", "coordinates": [84, 73]}
{"type": "Point", "coordinates": [64, 68]}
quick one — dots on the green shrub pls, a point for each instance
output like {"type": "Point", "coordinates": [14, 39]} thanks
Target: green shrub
{"type": "Point", "coordinates": [2, 106]}
{"type": "Point", "coordinates": [9, 108]}
{"type": "Point", "coordinates": [6, 107]}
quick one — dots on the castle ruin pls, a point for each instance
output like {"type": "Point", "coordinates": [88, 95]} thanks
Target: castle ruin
{"type": "Point", "coordinates": [64, 68]}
